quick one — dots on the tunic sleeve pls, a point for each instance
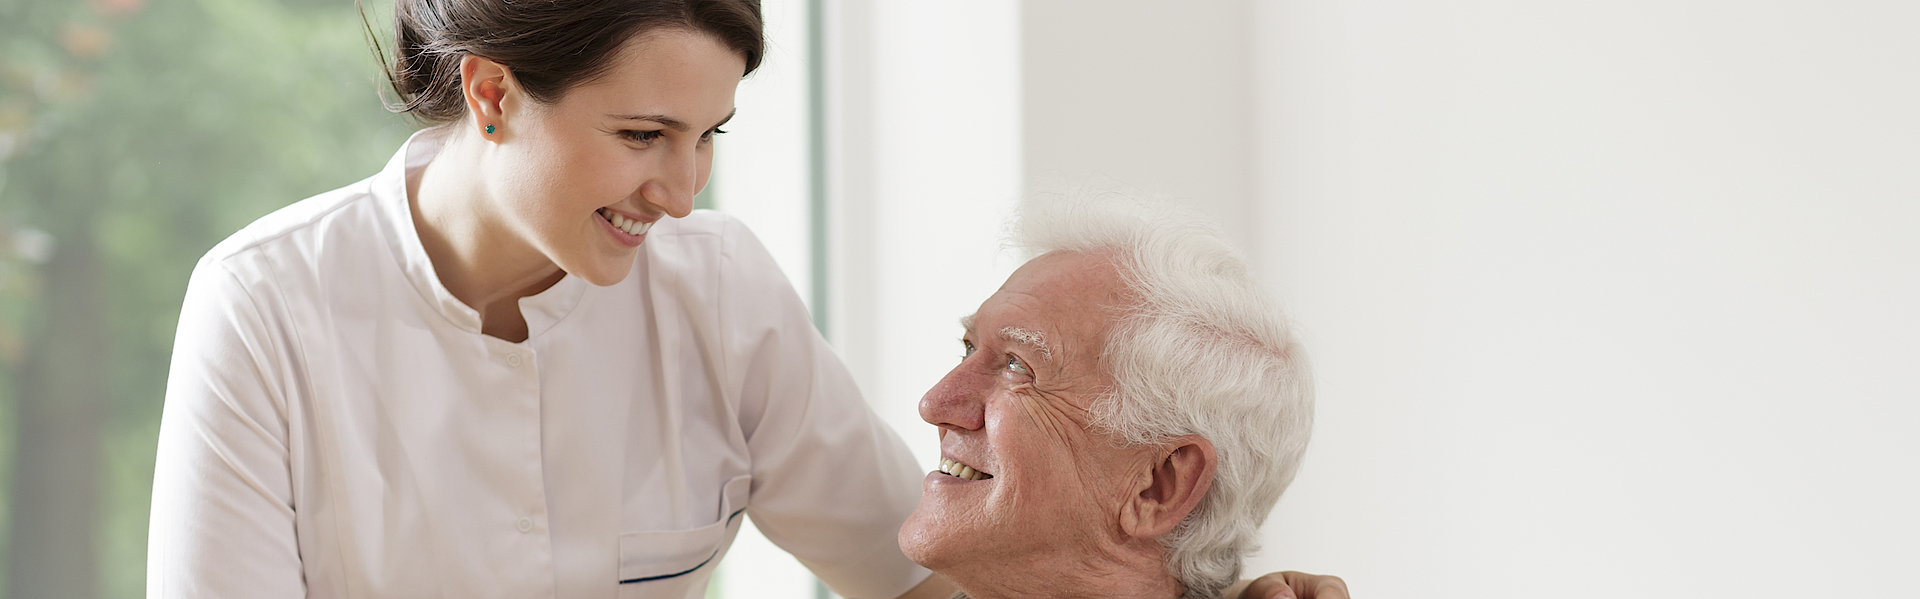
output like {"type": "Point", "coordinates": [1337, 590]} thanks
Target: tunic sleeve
{"type": "Point", "coordinates": [831, 482]}
{"type": "Point", "coordinates": [223, 513]}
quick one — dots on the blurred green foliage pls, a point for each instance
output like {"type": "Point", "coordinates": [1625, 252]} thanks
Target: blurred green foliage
{"type": "Point", "coordinates": [135, 134]}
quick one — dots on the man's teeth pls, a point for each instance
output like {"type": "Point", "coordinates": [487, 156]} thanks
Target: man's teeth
{"type": "Point", "coordinates": [958, 469]}
{"type": "Point", "coordinates": [632, 227]}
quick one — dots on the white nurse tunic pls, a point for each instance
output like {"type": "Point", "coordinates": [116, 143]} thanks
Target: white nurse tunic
{"type": "Point", "coordinates": [337, 426]}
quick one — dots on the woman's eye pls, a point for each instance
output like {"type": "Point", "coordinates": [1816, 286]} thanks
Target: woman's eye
{"type": "Point", "coordinates": [641, 136]}
{"type": "Point", "coordinates": [1014, 364]}
{"type": "Point", "coordinates": [708, 136]}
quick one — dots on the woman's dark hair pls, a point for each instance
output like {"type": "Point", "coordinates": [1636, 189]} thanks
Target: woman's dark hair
{"type": "Point", "coordinates": [550, 45]}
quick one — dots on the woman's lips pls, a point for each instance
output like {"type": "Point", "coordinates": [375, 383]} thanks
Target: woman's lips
{"type": "Point", "coordinates": [628, 231]}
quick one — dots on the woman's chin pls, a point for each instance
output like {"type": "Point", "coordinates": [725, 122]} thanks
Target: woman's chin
{"type": "Point", "coordinates": [606, 271]}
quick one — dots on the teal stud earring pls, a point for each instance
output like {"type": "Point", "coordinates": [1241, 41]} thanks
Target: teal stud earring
{"type": "Point", "coordinates": [489, 129]}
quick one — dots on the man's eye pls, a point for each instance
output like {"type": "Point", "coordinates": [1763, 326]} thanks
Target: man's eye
{"type": "Point", "coordinates": [966, 349]}
{"type": "Point", "coordinates": [1014, 364]}
{"type": "Point", "coordinates": [641, 136]}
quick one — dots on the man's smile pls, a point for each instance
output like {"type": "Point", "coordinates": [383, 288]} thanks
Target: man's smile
{"type": "Point", "coordinates": [955, 468]}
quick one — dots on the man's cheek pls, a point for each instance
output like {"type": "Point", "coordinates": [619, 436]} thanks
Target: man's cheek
{"type": "Point", "coordinates": [1052, 425]}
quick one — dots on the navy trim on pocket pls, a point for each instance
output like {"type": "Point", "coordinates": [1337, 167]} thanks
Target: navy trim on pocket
{"type": "Point", "coordinates": [703, 564]}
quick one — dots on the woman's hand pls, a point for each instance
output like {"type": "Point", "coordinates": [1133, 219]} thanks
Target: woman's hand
{"type": "Point", "coordinates": [1291, 585]}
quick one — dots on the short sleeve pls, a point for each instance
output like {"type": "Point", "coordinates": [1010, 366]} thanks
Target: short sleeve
{"type": "Point", "coordinates": [223, 515]}
{"type": "Point", "coordinates": [832, 482]}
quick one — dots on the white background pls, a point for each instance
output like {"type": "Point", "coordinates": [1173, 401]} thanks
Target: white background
{"type": "Point", "coordinates": [1605, 298]}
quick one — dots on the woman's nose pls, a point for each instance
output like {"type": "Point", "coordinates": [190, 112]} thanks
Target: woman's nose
{"type": "Point", "coordinates": [676, 201]}
{"type": "Point", "coordinates": [673, 186]}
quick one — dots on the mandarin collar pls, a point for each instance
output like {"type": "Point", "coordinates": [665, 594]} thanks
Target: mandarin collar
{"type": "Point", "coordinates": [389, 187]}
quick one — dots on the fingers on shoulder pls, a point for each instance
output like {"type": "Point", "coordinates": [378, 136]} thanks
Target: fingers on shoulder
{"type": "Point", "coordinates": [1317, 586]}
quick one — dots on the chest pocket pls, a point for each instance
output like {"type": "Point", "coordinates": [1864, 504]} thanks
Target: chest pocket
{"type": "Point", "coordinates": [677, 563]}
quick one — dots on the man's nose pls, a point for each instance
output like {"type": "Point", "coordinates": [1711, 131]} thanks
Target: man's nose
{"type": "Point", "coordinates": [955, 401]}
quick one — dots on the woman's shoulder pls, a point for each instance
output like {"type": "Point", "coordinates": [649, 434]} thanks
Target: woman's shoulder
{"type": "Point", "coordinates": [299, 252]}
{"type": "Point", "coordinates": [706, 240]}
{"type": "Point", "coordinates": [699, 222]}
{"type": "Point", "coordinates": [728, 231]}
{"type": "Point", "coordinates": [298, 227]}
{"type": "Point", "coordinates": [711, 248]}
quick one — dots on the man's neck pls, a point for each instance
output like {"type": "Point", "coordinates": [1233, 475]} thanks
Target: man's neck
{"type": "Point", "coordinates": [1115, 575]}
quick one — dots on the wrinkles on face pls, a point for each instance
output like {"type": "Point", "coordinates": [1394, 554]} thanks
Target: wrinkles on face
{"type": "Point", "coordinates": [1057, 419]}
{"type": "Point", "coordinates": [1066, 429]}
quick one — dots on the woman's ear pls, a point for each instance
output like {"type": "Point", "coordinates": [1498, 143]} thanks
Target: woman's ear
{"type": "Point", "coordinates": [485, 84]}
{"type": "Point", "coordinates": [1173, 487]}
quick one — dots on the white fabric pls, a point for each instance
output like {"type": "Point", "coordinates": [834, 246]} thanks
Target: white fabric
{"type": "Point", "coordinates": [337, 426]}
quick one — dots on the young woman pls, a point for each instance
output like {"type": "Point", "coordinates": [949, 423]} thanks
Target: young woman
{"type": "Point", "coordinates": [515, 363]}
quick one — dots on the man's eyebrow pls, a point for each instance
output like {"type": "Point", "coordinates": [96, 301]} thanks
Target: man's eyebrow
{"type": "Point", "coordinates": [966, 323]}
{"type": "Point", "coordinates": [670, 122]}
{"type": "Point", "coordinates": [1029, 338]}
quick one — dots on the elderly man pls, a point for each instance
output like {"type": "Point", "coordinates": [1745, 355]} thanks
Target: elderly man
{"type": "Point", "coordinates": [1129, 408]}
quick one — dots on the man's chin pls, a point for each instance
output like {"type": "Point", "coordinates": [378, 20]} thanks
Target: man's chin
{"type": "Point", "coordinates": [920, 538]}
{"type": "Point", "coordinates": [937, 534]}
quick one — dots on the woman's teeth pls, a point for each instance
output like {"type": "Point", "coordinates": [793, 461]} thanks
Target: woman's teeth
{"type": "Point", "coordinates": [632, 227]}
{"type": "Point", "coordinates": [958, 469]}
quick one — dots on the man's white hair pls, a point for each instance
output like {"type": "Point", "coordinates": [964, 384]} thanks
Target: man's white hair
{"type": "Point", "coordinates": [1201, 350]}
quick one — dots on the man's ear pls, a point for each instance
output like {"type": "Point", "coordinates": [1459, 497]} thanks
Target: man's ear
{"type": "Point", "coordinates": [1171, 489]}
{"type": "Point", "coordinates": [485, 84]}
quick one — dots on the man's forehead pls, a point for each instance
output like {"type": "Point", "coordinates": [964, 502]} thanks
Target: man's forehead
{"type": "Point", "coordinates": [1054, 300]}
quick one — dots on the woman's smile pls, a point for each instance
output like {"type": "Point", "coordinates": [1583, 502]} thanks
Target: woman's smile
{"type": "Point", "coordinates": [626, 231]}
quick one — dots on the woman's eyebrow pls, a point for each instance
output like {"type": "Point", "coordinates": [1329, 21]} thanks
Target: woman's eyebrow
{"type": "Point", "coordinates": [670, 122]}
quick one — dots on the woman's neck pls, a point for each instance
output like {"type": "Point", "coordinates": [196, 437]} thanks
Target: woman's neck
{"type": "Point", "coordinates": [476, 256]}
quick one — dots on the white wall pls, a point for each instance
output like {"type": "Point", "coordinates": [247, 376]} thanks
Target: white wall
{"type": "Point", "coordinates": [1150, 93]}
{"type": "Point", "coordinates": [760, 165]}
{"type": "Point", "coordinates": [925, 152]}
{"type": "Point", "coordinates": [1606, 297]}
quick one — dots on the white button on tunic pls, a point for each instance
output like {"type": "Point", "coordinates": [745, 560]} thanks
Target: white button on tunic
{"type": "Point", "coordinates": [337, 426]}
